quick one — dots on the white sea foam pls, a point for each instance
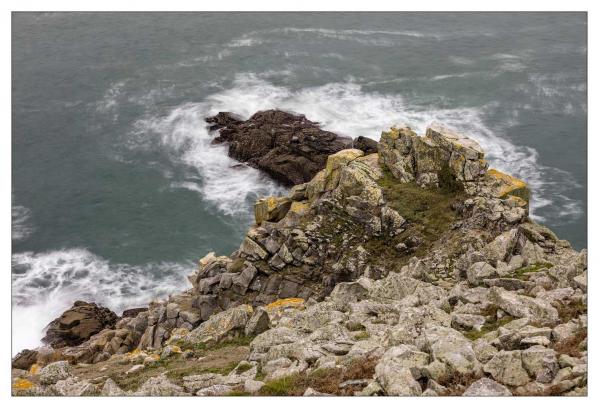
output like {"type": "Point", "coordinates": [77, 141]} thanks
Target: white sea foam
{"type": "Point", "coordinates": [21, 223]}
{"type": "Point", "coordinates": [382, 38]}
{"type": "Point", "coordinates": [45, 284]}
{"type": "Point", "coordinates": [231, 188]}
{"type": "Point", "coordinates": [245, 42]}
{"type": "Point", "coordinates": [460, 60]}
{"type": "Point", "coordinates": [453, 76]}
{"type": "Point", "coordinates": [109, 102]}
{"type": "Point", "coordinates": [347, 109]}
{"type": "Point", "coordinates": [555, 94]}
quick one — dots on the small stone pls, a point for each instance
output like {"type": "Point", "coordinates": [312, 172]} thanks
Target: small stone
{"type": "Point", "coordinates": [252, 386]}
{"type": "Point", "coordinates": [311, 392]}
{"type": "Point", "coordinates": [54, 372]}
{"type": "Point", "coordinates": [111, 389]}
{"type": "Point", "coordinates": [485, 387]}
{"type": "Point", "coordinates": [506, 367]}
{"type": "Point", "coordinates": [258, 323]}
{"type": "Point", "coordinates": [135, 369]}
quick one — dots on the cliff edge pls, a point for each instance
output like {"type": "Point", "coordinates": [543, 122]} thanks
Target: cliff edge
{"type": "Point", "coordinates": [414, 270]}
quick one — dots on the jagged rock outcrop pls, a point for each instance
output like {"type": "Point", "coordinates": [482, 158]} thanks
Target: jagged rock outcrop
{"type": "Point", "coordinates": [416, 267]}
{"type": "Point", "coordinates": [290, 148]}
{"type": "Point", "coordinates": [78, 324]}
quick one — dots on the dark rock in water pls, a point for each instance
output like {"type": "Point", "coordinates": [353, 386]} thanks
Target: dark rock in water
{"type": "Point", "coordinates": [366, 144]}
{"type": "Point", "coordinates": [134, 311]}
{"type": "Point", "coordinates": [290, 148]}
{"type": "Point", "coordinates": [78, 324]}
{"type": "Point", "coordinates": [223, 119]}
{"type": "Point", "coordinates": [24, 359]}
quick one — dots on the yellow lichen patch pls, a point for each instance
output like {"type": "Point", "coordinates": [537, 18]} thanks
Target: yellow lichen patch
{"type": "Point", "coordinates": [154, 357]}
{"type": "Point", "coordinates": [134, 352]}
{"type": "Point", "coordinates": [518, 202]}
{"type": "Point", "coordinates": [34, 369]}
{"type": "Point", "coordinates": [271, 209]}
{"type": "Point", "coordinates": [335, 162]}
{"type": "Point", "coordinates": [22, 384]}
{"type": "Point", "coordinates": [316, 186]}
{"type": "Point", "coordinates": [176, 349]}
{"type": "Point", "coordinates": [392, 133]}
{"type": "Point", "coordinates": [285, 303]}
{"type": "Point", "coordinates": [179, 331]}
{"type": "Point", "coordinates": [299, 207]}
{"type": "Point", "coordinates": [508, 185]}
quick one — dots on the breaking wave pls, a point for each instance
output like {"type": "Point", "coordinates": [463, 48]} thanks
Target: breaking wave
{"type": "Point", "coordinates": [347, 109]}
{"type": "Point", "coordinates": [45, 284]}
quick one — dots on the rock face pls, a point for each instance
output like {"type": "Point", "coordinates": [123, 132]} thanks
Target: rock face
{"type": "Point", "coordinates": [426, 160]}
{"type": "Point", "coordinates": [290, 148]}
{"type": "Point", "coordinates": [415, 267]}
{"type": "Point", "coordinates": [78, 324]}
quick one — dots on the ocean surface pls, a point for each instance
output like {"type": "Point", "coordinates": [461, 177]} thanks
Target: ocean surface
{"type": "Point", "coordinates": [117, 192]}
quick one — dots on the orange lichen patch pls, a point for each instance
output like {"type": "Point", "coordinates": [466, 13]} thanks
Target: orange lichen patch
{"type": "Point", "coordinates": [134, 352]}
{"type": "Point", "coordinates": [34, 369]}
{"type": "Point", "coordinates": [295, 303]}
{"type": "Point", "coordinates": [22, 384]}
{"type": "Point", "coordinates": [508, 185]}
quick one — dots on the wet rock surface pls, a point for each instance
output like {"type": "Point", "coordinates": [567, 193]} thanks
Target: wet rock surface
{"type": "Point", "coordinates": [288, 147]}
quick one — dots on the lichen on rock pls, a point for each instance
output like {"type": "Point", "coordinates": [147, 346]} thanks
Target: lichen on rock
{"type": "Point", "coordinates": [409, 270]}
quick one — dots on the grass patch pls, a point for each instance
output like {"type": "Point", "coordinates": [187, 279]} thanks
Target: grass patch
{"type": "Point", "coordinates": [429, 207]}
{"type": "Point", "coordinates": [571, 310]}
{"type": "Point", "coordinates": [487, 328]}
{"type": "Point", "coordinates": [212, 346]}
{"type": "Point", "coordinates": [428, 211]}
{"type": "Point", "coordinates": [571, 346]}
{"type": "Point", "coordinates": [457, 383]}
{"type": "Point", "coordinates": [238, 393]}
{"type": "Point", "coordinates": [260, 374]}
{"type": "Point", "coordinates": [524, 272]}
{"type": "Point", "coordinates": [354, 326]}
{"type": "Point", "coordinates": [447, 182]}
{"type": "Point", "coordinates": [363, 335]}
{"type": "Point", "coordinates": [243, 368]}
{"type": "Point", "coordinates": [178, 373]}
{"type": "Point", "coordinates": [321, 380]}
{"type": "Point", "coordinates": [237, 265]}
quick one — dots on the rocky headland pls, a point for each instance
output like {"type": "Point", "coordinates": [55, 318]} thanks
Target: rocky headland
{"type": "Point", "coordinates": [403, 267]}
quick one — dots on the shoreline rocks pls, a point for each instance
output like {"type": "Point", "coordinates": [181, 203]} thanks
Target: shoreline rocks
{"type": "Point", "coordinates": [78, 324]}
{"type": "Point", "coordinates": [413, 270]}
{"type": "Point", "coordinates": [288, 147]}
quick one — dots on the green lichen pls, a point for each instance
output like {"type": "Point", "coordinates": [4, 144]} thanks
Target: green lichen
{"type": "Point", "coordinates": [525, 272]}
{"type": "Point", "coordinates": [355, 326]}
{"type": "Point", "coordinates": [487, 328]}
{"type": "Point", "coordinates": [362, 335]}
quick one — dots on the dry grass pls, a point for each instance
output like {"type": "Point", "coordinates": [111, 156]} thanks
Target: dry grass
{"type": "Point", "coordinates": [571, 310]}
{"type": "Point", "coordinates": [457, 383]}
{"type": "Point", "coordinates": [322, 380]}
{"type": "Point", "coordinates": [571, 346]}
